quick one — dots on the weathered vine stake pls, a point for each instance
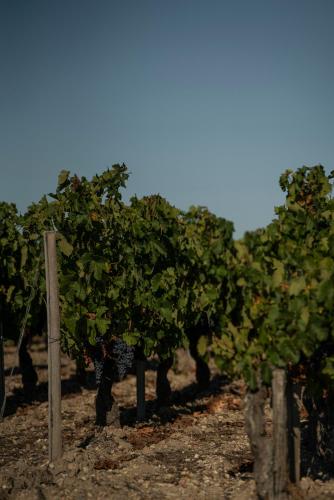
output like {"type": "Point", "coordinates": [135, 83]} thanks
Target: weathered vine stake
{"type": "Point", "coordinates": [280, 436]}
{"type": "Point", "coordinates": [55, 441]}
{"type": "Point", "coordinates": [276, 459]}
{"type": "Point", "coordinates": [293, 396]}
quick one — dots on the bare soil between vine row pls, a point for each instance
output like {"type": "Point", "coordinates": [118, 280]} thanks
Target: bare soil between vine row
{"type": "Point", "coordinates": [196, 448]}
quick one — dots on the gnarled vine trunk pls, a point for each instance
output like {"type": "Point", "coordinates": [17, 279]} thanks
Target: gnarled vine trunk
{"type": "Point", "coordinates": [28, 372]}
{"type": "Point", "coordinates": [276, 458]}
{"type": "Point", "coordinates": [259, 441]}
{"type": "Point", "coordinates": [320, 435]}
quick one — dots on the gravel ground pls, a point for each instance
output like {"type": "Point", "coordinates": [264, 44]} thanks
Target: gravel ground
{"type": "Point", "coordinates": [196, 448]}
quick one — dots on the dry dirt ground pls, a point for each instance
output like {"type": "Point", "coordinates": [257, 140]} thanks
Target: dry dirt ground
{"type": "Point", "coordinates": [196, 448]}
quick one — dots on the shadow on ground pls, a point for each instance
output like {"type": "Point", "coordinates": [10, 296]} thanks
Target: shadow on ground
{"type": "Point", "coordinates": [39, 394]}
{"type": "Point", "coordinates": [186, 401]}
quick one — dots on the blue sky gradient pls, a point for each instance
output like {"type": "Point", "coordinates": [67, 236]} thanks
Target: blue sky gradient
{"type": "Point", "coordinates": [207, 102]}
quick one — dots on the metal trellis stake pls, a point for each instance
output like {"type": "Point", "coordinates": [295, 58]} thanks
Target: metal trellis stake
{"type": "Point", "coordinates": [55, 441]}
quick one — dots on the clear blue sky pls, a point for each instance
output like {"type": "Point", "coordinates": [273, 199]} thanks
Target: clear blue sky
{"type": "Point", "coordinates": [207, 102]}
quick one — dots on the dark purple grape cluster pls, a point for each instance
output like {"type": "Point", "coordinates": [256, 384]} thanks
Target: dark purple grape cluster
{"type": "Point", "coordinates": [98, 359]}
{"type": "Point", "coordinates": [98, 365]}
{"type": "Point", "coordinates": [123, 355]}
{"type": "Point", "coordinates": [116, 357]}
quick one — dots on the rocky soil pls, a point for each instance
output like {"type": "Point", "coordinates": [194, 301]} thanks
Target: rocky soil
{"type": "Point", "coordinates": [196, 448]}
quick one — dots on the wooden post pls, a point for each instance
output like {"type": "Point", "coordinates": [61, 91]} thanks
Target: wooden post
{"type": "Point", "coordinates": [140, 371]}
{"type": "Point", "coordinates": [55, 441]}
{"type": "Point", "coordinates": [2, 373]}
{"type": "Point", "coordinates": [294, 432]}
{"type": "Point", "coordinates": [280, 441]}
